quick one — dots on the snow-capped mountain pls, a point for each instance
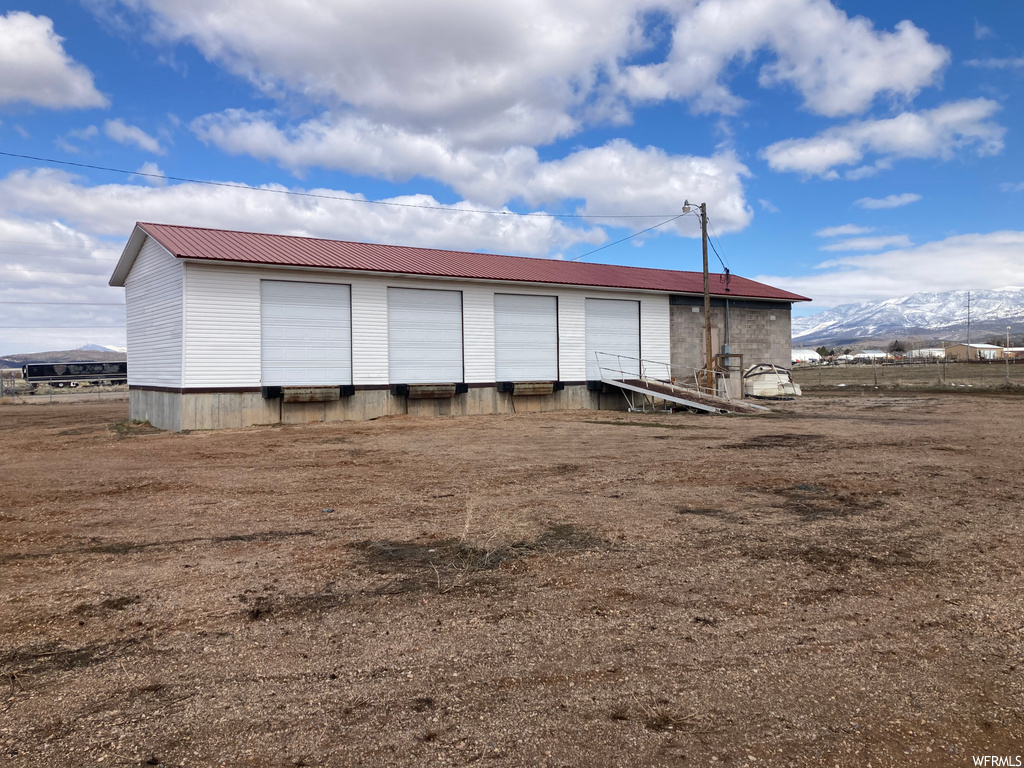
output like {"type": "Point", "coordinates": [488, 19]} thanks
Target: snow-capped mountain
{"type": "Point", "coordinates": [920, 315]}
{"type": "Point", "coordinates": [102, 348]}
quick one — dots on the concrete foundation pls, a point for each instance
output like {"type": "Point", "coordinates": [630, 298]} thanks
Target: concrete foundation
{"type": "Point", "coordinates": [177, 411]}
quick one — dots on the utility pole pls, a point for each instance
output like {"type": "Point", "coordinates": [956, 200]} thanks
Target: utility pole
{"type": "Point", "coordinates": [709, 364]}
{"type": "Point", "coordinates": [1006, 354]}
{"type": "Point", "coordinates": [968, 355]}
{"type": "Point", "coordinates": [709, 361]}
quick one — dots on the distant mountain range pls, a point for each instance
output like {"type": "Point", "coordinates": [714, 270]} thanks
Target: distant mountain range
{"type": "Point", "coordinates": [920, 316]}
{"type": "Point", "coordinates": [90, 352]}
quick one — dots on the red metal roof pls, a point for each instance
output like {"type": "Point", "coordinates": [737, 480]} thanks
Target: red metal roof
{"type": "Point", "coordinates": [290, 251]}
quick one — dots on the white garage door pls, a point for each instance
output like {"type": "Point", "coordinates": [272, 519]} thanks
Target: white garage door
{"type": "Point", "coordinates": [525, 338]}
{"type": "Point", "coordinates": [306, 333]}
{"type": "Point", "coordinates": [613, 326]}
{"type": "Point", "coordinates": [424, 336]}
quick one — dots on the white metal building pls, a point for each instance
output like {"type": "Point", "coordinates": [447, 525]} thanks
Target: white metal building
{"type": "Point", "coordinates": [805, 356]}
{"type": "Point", "coordinates": [218, 322]}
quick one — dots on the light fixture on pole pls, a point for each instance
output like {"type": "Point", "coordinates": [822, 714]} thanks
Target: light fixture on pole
{"type": "Point", "coordinates": [709, 365]}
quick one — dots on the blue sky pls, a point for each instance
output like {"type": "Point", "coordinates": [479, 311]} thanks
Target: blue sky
{"type": "Point", "coordinates": [847, 150]}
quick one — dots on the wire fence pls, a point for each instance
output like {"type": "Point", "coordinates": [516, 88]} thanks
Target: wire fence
{"type": "Point", "coordinates": [924, 374]}
{"type": "Point", "coordinates": [17, 392]}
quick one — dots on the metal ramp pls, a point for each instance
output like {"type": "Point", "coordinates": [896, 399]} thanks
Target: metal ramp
{"type": "Point", "coordinates": [642, 382]}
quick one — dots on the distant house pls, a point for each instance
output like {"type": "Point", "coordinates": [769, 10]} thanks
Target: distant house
{"type": "Point", "coordinates": [930, 353]}
{"type": "Point", "coordinates": [977, 352]}
{"type": "Point", "coordinates": [805, 356]}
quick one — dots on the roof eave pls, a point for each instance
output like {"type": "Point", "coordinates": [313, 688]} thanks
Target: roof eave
{"type": "Point", "coordinates": [128, 256]}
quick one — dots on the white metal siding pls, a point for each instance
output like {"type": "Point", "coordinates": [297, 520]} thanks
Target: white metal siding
{"type": "Point", "coordinates": [369, 331]}
{"type": "Point", "coordinates": [222, 326]}
{"type": "Point", "coordinates": [153, 306]}
{"type": "Point", "coordinates": [424, 336]}
{"type": "Point", "coordinates": [306, 333]}
{"type": "Point", "coordinates": [572, 356]}
{"type": "Point", "coordinates": [613, 327]}
{"type": "Point", "coordinates": [525, 337]}
{"type": "Point", "coordinates": [478, 332]}
{"type": "Point", "coordinates": [655, 339]}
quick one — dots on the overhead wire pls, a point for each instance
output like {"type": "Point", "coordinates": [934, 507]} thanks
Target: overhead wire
{"type": "Point", "coordinates": [35, 271]}
{"type": "Point", "coordinates": [343, 198]}
{"type": "Point", "coordinates": [28, 285]}
{"type": "Point", "coordinates": [628, 237]}
{"type": "Point", "coordinates": [69, 303]}
{"type": "Point", "coordinates": [60, 245]}
{"type": "Point", "coordinates": [726, 268]}
{"type": "Point", "coordinates": [57, 256]}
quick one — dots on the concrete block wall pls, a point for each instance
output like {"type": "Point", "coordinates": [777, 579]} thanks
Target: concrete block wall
{"type": "Point", "coordinates": [760, 335]}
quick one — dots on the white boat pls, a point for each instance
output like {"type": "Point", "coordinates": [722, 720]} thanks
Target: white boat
{"type": "Point", "coordinates": [767, 380]}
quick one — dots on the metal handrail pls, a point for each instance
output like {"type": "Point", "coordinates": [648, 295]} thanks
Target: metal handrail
{"type": "Point", "coordinates": [642, 372]}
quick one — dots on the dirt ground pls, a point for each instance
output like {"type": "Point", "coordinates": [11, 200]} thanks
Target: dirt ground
{"type": "Point", "coordinates": [837, 583]}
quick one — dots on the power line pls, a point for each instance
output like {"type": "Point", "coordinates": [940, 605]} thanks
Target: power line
{"type": "Point", "coordinates": [76, 285]}
{"type": "Point", "coordinates": [48, 271]}
{"type": "Point", "coordinates": [60, 245]}
{"type": "Point", "coordinates": [69, 303]}
{"type": "Point", "coordinates": [54, 327]}
{"type": "Point", "coordinates": [230, 185]}
{"type": "Point", "coordinates": [713, 245]}
{"type": "Point", "coordinates": [57, 256]}
{"type": "Point", "coordinates": [629, 237]}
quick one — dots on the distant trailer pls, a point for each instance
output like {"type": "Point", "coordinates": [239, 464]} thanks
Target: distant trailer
{"type": "Point", "coordinates": [73, 374]}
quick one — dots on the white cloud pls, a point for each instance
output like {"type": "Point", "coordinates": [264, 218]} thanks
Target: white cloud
{"type": "Point", "coordinates": [844, 229]}
{"type": "Point", "coordinates": [869, 243]}
{"type": "Point", "coordinates": [111, 210]}
{"type": "Point", "coordinates": [889, 201]}
{"type": "Point", "coordinates": [976, 261]}
{"type": "Point", "coordinates": [981, 32]}
{"type": "Point", "coordinates": [615, 178]}
{"type": "Point", "coordinates": [123, 133]}
{"type": "Point", "coordinates": [35, 69]}
{"type": "Point", "coordinates": [492, 75]}
{"type": "Point", "coordinates": [838, 64]}
{"type": "Point", "coordinates": [1010, 187]}
{"type": "Point", "coordinates": [82, 134]}
{"type": "Point", "coordinates": [151, 174]}
{"type": "Point", "coordinates": [768, 205]}
{"type": "Point", "coordinates": [930, 133]}
{"type": "Point", "coordinates": [1007, 63]}
{"type": "Point", "coordinates": [43, 261]}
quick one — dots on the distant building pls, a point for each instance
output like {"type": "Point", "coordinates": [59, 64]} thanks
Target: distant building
{"type": "Point", "coordinates": [931, 353]}
{"type": "Point", "coordinates": [867, 355]}
{"type": "Point", "coordinates": [805, 356]}
{"type": "Point", "coordinates": [977, 352]}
